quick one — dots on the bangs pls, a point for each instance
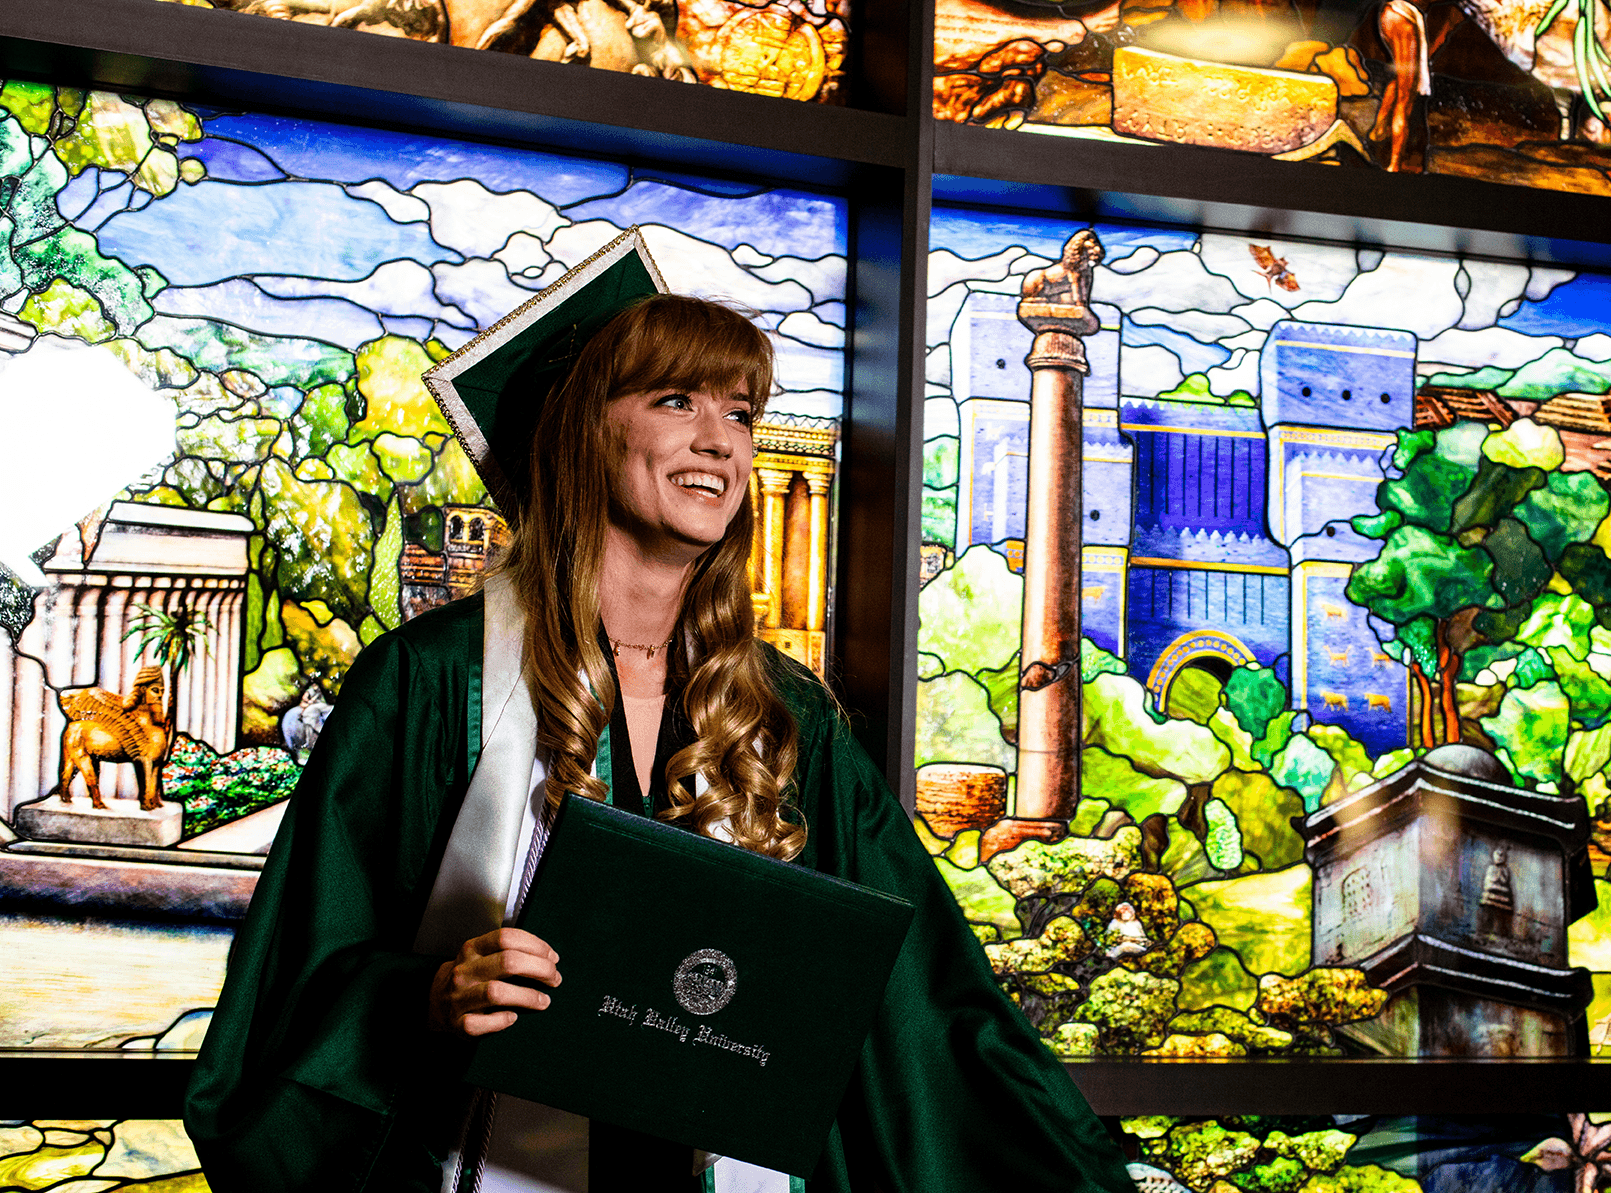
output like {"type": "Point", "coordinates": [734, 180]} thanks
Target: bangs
{"type": "Point", "coordinates": [674, 342]}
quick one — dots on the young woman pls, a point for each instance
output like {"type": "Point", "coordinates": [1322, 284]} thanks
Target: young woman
{"type": "Point", "coordinates": [331, 1062]}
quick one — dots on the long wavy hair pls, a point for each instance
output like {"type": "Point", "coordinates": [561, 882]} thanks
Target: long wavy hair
{"type": "Point", "coordinates": [745, 738]}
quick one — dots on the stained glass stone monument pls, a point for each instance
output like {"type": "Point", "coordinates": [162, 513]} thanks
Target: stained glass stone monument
{"type": "Point", "coordinates": [1453, 889]}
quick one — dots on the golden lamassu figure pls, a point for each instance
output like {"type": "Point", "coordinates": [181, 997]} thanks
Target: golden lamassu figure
{"type": "Point", "coordinates": [104, 726]}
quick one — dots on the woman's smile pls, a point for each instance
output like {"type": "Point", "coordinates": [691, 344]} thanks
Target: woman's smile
{"type": "Point", "coordinates": [682, 467]}
{"type": "Point", "coordinates": [701, 484]}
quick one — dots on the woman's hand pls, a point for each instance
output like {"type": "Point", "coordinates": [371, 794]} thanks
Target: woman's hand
{"type": "Point", "coordinates": [472, 993]}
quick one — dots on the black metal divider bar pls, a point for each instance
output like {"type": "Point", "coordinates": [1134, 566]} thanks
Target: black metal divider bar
{"type": "Point", "coordinates": [111, 1085]}
{"type": "Point", "coordinates": [1353, 1086]}
{"type": "Point", "coordinates": [1184, 184]}
{"type": "Point", "coordinates": [876, 627]}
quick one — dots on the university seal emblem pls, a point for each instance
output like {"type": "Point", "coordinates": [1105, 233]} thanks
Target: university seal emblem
{"type": "Point", "coordinates": [705, 982]}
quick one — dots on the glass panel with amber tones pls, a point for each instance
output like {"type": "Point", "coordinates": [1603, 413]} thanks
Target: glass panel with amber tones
{"type": "Point", "coordinates": [769, 47]}
{"type": "Point", "coordinates": [99, 1154]}
{"type": "Point", "coordinates": [1514, 91]}
{"type": "Point", "coordinates": [791, 490]}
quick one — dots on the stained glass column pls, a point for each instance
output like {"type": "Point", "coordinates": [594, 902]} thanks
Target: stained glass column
{"type": "Point", "coordinates": [774, 484]}
{"type": "Point", "coordinates": [817, 483]}
{"type": "Point", "coordinates": [1056, 307]}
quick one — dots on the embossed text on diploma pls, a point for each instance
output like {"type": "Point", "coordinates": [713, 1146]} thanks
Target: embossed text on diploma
{"type": "Point", "coordinates": [630, 1014]}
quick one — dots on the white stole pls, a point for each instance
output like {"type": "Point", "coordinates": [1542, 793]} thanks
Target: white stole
{"type": "Point", "coordinates": [471, 890]}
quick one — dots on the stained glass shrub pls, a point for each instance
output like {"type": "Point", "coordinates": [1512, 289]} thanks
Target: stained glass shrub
{"type": "Point", "coordinates": [1367, 1153]}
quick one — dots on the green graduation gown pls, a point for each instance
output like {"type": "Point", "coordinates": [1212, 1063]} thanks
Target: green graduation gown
{"type": "Point", "coordinates": [318, 1071]}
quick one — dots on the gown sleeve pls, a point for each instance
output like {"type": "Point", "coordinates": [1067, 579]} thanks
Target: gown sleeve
{"type": "Point", "coordinates": [954, 1091]}
{"type": "Point", "coordinates": [317, 1071]}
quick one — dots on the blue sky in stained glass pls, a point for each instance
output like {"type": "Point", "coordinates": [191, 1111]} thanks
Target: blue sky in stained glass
{"type": "Point", "coordinates": [231, 161]}
{"type": "Point", "coordinates": [310, 149]}
{"type": "Point", "coordinates": [1199, 304]}
{"type": "Point", "coordinates": [237, 301]}
{"type": "Point", "coordinates": [1580, 307]}
{"type": "Point", "coordinates": [76, 198]}
{"type": "Point", "coordinates": [727, 187]}
{"type": "Point", "coordinates": [96, 195]}
{"type": "Point", "coordinates": [264, 229]}
{"type": "Point", "coordinates": [971, 234]}
{"type": "Point", "coordinates": [778, 224]}
{"type": "Point", "coordinates": [1194, 357]}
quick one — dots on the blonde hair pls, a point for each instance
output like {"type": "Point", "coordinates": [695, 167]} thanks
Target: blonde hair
{"type": "Point", "coordinates": [745, 738]}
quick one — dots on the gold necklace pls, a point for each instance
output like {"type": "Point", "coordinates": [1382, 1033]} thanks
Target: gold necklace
{"type": "Point", "coordinates": [616, 646]}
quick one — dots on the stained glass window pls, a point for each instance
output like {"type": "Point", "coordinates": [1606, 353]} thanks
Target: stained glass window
{"type": "Point", "coordinates": [1368, 1153]}
{"type": "Point", "coordinates": [769, 47]}
{"type": "Point", "coordinates": [1342, 639]}
{"type": "Point", "coordinates": [222, 478]}
{"type": "Point", "coordinates": [1503, 92]}
{"type": "Point", "coordinates": [101, 1154]}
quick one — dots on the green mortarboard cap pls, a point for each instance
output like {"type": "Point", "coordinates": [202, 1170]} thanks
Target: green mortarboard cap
{"type": "Point", "coordinates": [492, 389]}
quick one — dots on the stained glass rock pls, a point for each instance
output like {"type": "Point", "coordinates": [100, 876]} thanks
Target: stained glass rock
{"type": "Point", "coordinates": [1163, 97]}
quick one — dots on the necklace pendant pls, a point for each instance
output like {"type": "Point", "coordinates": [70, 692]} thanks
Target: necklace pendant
{"type": "Point", "coordinates": [651, 652]}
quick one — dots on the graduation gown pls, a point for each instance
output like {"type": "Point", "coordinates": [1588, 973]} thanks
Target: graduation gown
{"type": "Point", "coordinates": [318, 1071]}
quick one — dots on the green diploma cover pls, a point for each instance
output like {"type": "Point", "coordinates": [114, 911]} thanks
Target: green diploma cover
{"type": "Point", "coordinates": [711, 996]}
